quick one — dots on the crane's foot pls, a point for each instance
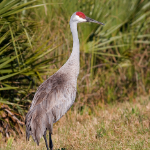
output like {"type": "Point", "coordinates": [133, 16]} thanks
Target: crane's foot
{"type": "Point", "coordinates": [50, 142]}
{"type": "Point", "coordinates": [45, 140]}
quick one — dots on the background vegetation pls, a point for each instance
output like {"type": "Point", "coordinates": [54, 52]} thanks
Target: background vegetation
{"type": "Point", "coordinates": [35, 41]}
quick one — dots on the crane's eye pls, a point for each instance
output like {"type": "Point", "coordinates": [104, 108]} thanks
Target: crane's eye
{"type": "Point", "coordinates": [81, 16]}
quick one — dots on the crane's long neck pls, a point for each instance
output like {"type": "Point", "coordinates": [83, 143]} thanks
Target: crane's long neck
{"type": "Point", "coordinates": [75, 50]}
{"type": "Point", "coordinates": [72, 66]}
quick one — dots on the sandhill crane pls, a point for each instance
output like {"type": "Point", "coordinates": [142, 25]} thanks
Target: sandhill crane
{"type": "Point", "coordinates": [56, 95]}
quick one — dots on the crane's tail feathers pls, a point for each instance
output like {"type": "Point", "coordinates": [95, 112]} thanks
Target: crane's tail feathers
{"type": "Point", "coordinates": [37, 122]}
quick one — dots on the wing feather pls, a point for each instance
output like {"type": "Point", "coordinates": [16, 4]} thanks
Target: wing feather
{"type": "Point", "coordinates": [52, 100]}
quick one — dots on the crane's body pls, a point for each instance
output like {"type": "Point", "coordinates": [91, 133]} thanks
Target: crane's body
{"type": "Point", "coordinates": [56, 95]}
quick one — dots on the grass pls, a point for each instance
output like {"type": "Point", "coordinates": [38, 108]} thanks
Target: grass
{"type": "Point", "coordinates": [115, 126]}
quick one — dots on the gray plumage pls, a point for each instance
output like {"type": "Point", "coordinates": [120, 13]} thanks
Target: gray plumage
{"type": "Point", "coordinates": [56, 95]}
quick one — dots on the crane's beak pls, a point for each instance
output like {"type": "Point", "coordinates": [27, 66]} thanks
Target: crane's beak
{"type": "Point", "coordinates": [92, 20]}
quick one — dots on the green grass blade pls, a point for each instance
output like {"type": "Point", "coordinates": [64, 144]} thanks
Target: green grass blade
{"type": "Point", "coordinates": [8, 88]}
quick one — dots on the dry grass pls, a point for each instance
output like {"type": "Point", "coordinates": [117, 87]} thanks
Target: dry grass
{"type": "Point", "coordinates": [118, 126]}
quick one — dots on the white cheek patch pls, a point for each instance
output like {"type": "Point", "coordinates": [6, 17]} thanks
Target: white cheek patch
{"type": "Point", "coordinates": [80, 19]}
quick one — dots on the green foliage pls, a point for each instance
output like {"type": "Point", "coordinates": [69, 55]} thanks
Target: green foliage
{"type": "Point", "coordinates": [21, 65]}
{"type": "Point", "coordinates": [119, 50]}
{"type": "Point", "coordinates": [9, 143]}
{"type": "Point", "coordinates": [114, 57]}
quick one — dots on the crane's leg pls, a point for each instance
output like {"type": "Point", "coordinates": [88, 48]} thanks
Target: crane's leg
{"type": "Point", "coordinates": [50, 142]}
{"type": "Point", "coordinates": [45, 140]}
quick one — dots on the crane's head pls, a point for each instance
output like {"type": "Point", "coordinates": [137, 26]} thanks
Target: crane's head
{"type": "Point", "coordinates": [79, 17]}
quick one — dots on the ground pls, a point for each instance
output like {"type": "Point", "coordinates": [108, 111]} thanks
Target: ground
{"type": "Point", "coordinates": [118, 126]}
